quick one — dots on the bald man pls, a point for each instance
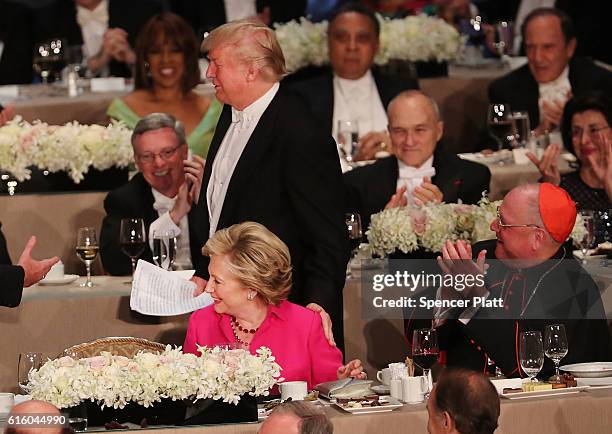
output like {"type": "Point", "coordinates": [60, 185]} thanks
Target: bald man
{"type": "Point", "coordinates": [528, 272]}
{"type": "Point", "coordinates": [296, 417]}
{"type": "Point", "coordinates": [418, 171]}
{"type": "Point", "coordinates": [34, 407]}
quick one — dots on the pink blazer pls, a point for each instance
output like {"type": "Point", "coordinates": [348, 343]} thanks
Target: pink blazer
{"type": "Point", "coordinates": [292, 332]}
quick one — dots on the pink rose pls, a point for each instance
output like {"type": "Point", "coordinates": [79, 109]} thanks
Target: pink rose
{"type": "Point", "coordinates": [418, 219]}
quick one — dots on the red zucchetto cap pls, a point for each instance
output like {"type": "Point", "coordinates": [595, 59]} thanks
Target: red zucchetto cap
{"type": "Point", "coordinates": [558, 211]}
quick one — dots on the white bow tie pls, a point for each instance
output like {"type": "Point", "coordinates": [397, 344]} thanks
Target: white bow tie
{"type": "Point", "coordinates": [164, 205]}
{"type": "Point", "coordinates": [412, 173]}
{"type": "Point", "coordinates": [86, 16]}
{"type": "Point", "coordinates": [241, 118]}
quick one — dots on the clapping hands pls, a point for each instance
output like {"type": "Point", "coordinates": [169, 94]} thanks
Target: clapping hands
{"type": "Point", "coordinates": [189, 191]}
{"type": "Point", "coordinates": [547, 165]}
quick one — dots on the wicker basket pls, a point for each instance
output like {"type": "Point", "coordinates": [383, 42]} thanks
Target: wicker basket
{"type": "Point", "coordinates": [120, 346]}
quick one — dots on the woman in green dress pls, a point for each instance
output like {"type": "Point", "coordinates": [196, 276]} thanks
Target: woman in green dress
{"type": "Point", "coordinates": [164, 80]}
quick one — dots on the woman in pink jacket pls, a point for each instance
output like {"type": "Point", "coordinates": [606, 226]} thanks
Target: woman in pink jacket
{"type": "Point", "coordinates": [250, 279]}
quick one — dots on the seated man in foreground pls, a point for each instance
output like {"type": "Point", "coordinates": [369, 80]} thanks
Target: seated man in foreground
{"type": "Point", "coordinates": [532, 282]}
{"type": "Point", "coordinates": [418, 171]}
{"type": "Point", "coordinates": [462, 402]}
{"type": "Point", "coordinates": [161, 194]}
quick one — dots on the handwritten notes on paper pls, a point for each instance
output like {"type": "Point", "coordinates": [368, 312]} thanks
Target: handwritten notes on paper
{"type": "Point", "coordinates": [156, 291]}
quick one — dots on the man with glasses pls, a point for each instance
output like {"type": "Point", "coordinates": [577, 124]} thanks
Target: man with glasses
{"type": "Point", "coordinates": [526, 269]}
{"type": "Point", "coordinates": [162, 193]}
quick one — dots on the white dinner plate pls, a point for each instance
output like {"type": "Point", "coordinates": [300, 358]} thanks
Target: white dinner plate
{"type": "Point", "coordinates": [595, 383]}
{"type": "Point", "coordinates": [68, 278]}
{"type": "Point", "coordinates": [391, 404]}
{"type": "Point", "coordinates": [544, 393]}
{"type": "Point", "coordinates": [590, 256]}
{"type": "Point", "coordinates": [589, 370]}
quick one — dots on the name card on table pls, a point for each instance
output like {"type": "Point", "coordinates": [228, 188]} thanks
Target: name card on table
{"type": "Point", "coordinates": [156, 291]}
{"type": "Point", "coordinates": [108, 84]}
{"type": "Point", "coordinates": [8, 93]}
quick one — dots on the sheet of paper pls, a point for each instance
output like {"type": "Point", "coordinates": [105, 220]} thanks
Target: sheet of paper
{"type": "Point", "coordinates": [164, 293]}
{"type": "Point", "coordinates": [108, 84]}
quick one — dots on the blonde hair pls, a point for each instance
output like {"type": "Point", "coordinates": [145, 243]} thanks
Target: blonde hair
{"type": "Point", "coordinates": [253, 42]}
{"type": "Point", "coordinates": [257, 258]}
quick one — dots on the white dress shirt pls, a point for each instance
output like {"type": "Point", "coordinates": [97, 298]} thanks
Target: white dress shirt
{"type": "Point", "coordinates": [94, 24]}
{"type": "Point", "coordinates": [163, 205]}
{"type": "Point", "coordinates": [358, 100]}
{"type": "Point", "coordinates": [412, 177]}
{"type": "Point", "coordinates": [233, 144]}
{"type": "Point", "coordinates": [238, 9]}
{"type": "Point", "coordinates": [556, 91]}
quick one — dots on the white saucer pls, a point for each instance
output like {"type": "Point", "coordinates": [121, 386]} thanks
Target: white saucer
{"type": "Point", "coordinates": [381, 389]}
{"type": "Point", "coordinates": [68, 278]}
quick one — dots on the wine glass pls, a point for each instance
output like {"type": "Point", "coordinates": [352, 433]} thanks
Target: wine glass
{"type": "Point", "coordinates": [164, 249]}
{"type": "Point", "coordinates": [348, 138]}
{"type": "Point", "coordinates": [425, 351]}
{"type": "Point", "coordinates": [501, 124]}
{"type": "Point", "coordinates": [531, 353]}
{"type": "Point", "coordinates": [132, 238]}
{"type": "Point", "coordinates": [48, 59]}
{"type": "Point", "coordinates": [555, 347]}
{"type": "Point", "coordinates": [588, 221]}
{"type": "Point", "coordinates": [87, 249]}
{"type": "Point", "coordinates": [27, 362]}
{"type": "Point", "coordinates": [353, 225]}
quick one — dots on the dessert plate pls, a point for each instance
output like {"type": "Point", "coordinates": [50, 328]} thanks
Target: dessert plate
{"type": "Point", "coordinates": [68, 278]}
{"type": "Point", "coordinates": [544, 393]}
{"type": "Point", "coordinates": [589, 370]}
{"type": "Point", "coordinates": [595, 383]}
{"type": "Point", "coordinates": [390, 404]}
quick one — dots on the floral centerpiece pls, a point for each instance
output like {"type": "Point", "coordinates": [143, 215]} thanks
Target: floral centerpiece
{"type": "Point", "coordinates": [414, 38]}
{"type": "Point", "coordinates": [116, 381]}
{"type": "Point", "coordinates": [73, 147]}
{"type": "Point", "coordinates": [410, 228]}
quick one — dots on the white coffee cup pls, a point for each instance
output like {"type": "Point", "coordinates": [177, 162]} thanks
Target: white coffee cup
{"type": "Point", "coordinates": [57, 271]}
{"type": "Point", "coordinates": [384, 376]}
{"type": "Point", "coordinates": [395, 388]}
{"type": "Point", "coordinates": [296, 390]}
{"type": "Point", "coordinates": [414, 389]}
{"type": "Point", "coordinates": [7, 400]}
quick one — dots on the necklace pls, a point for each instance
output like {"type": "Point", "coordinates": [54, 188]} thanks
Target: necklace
{"type": "Point", "coordinates": [236, 326]}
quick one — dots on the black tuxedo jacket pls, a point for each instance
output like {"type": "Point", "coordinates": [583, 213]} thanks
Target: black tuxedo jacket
{"type": "Point", "coordinates": [369, 188]}
{"type": "Point", "coordinates": [469, 345]}
{"type": "Point", "coordinates": [11, 285]}
{"type": "Point", "coordinates": [5, 259]}
{"type": "Point", "coordinates": [58, 20]}
{"type": "Point", "coordinates": [318, 93]}
{"type": "Point", "coordinates": [133, 199]}
{"type": "Point", "coordinates": [520, 89]}
{"type": "Point", "coordinates": [288, 179]}
{"type": "Point", "coordinates": [16, 34]}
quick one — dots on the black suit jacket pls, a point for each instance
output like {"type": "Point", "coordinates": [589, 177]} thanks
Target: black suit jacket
{"type": "Point", "coordinates": [469, 345]}
{"type": "Point", "coordinates": [318, 93]}
{"type": "Point", "coordinates": [16, 34]}
{"type": "Point", "coordinates": [133, 199]}
{"type": "Point", "coordinates": [58, 20]}
{"type": "Point", "coordinates": [520, 89]}
{"type": "Point", "coordinates": [11, 279]}
{"type": "Point", "coordinates": [288, 179]}
{"type": "Point", "coordinates": [369, 188]}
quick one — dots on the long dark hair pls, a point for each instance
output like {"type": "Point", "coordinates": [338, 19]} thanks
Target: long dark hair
{"type": "Point", "coordinates": [174, 30]}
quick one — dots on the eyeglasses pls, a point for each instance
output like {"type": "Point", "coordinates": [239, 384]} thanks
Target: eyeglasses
{"type": "Point", "coordinates": [165, 155]}
{"type": "Point", "coordinates": [504, 226]}
{"type": "Point", "coordinates": [591, 131]}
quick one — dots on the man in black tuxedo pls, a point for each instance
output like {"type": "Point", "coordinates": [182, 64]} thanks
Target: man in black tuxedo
{"type": "Point", "coordinates": [353, 89]}
{"type": "Point", "coordinates": [270, 162]}
{"type": "Point", "coordinates": [418, 171]}
{"type": "Point", "coordinates": [552, 75]}
{"type": "Point", "coordinates": [161, 194]}
{"type": "Point", "coordinates": [27, 272]}
{"type": "Point", "coordinates": [16, 45]}
{"type": "Point", "coordinates": [536, 285]}
{"type": "Point", "coordinates": [83, 22]}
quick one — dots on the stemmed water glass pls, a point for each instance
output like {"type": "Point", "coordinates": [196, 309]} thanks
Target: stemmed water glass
{"type": "Point", "coordinates": [132, 238]}
{"type": "Point", "coordinates": [27, 362]}
{"type": "Point", "coordinates": [586, 242]}
{"type": "Point", "coordinates": [164, 249]}
{"type": "Point", "coordinates": [353, 225]}
{"type": "Point", "coordinates": [425, 351]}
{"type": "Point", "coordinates": [348, 139]}
{"type": "Point", "coordinates": [87, 249]}
{"type": "Point", "coordinates": [555, 346]}
{"type": "Point", "coordinates": [522, 129]}
{"type": "Point", "coordinates": [501, 124]}
{"type": "Point", "coordinates": [48, 59]}
{"type": "Point", "coordinates": [531, 353]}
